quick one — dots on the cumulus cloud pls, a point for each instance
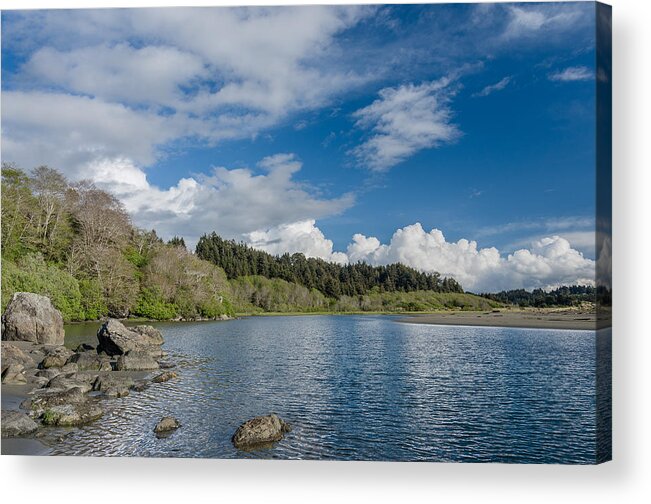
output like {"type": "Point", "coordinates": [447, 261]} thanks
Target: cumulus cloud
{"type": "Point", "coordinates": [548, 262]}
{"type": "Point", "coordinates": [405, 120]}
{"type": "Point", "coordinates": [498, 86]}
{"type": "Point", "coordinates": [233, 202]}
{"type": "Point", "coordinates": [302, 236]}
{"type": "Point", "coordinates": [576, 73]}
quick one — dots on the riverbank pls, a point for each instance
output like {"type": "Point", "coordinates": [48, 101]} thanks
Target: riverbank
{"type": "Point", "coordinates": [534, 318]}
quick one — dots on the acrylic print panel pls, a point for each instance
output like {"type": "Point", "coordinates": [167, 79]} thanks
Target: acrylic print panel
{"type": "Point", "coordinates": [314, 232]}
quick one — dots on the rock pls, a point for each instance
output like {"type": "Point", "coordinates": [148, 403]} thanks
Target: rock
{"type": "Point", "coordinates": [166, 364]}
{"type": "Point", "coordinates": [40, 381]}
{"type": "Point", "coordinates": [111, 381]}
{"type": "Point", "coordinates": [15, 423]}
{"type": "Point", "coordinates": [30, 317]}
{"type": "Point", "coordinates": [136, 361]}
{"type": "Point", "coordinates": [69, 415]}
{"type": "Point", "coordinates": [49, 397]}
{"type": "Point", "coordinates": [14, 373]}
{"type": "Point", "coordinates": [11, 354]}
{"type": "Point", "coordinates": [261, 430]}
{"type": "Point", "coordinates": [88, 361]}
{"type": "Point", "coordinates": [48, 373]}
{"type": "Point", "coordinates": [116, 339]}
{"type": "Point", "coordinates": [69, 381]}
{"type": "Point", "coordinates": [140, 386]}
{"type": "Point", "coordinates": [166, 425]}
{"type": "Point", "coordinates": [84, 347]}
{"type": "Point", "coordinates": [70, 367]}
{"type": "Point", "coordinates": [115, 392]}
{"type": "Point", "coordinates": [163, 377]}
{"type": "Point", "coordinates": [55, 357]}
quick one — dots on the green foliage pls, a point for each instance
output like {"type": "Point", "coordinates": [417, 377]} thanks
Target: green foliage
{"type": "Point", "coordinates": [562, 296]}
{"type": "Point", "coordinates": [32, 274]}
{"type": "Point", "coordinates": [256, 293]}
{"type": "Point", "coordinates": [333, 280]}
{"type": "Point", "coordinates": [92, 299]}
{"type": "Point", "coordinates": [151, 305]}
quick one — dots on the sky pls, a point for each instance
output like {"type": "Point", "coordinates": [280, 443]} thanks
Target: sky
{"type": "Point", "coordinates": [455, 138]}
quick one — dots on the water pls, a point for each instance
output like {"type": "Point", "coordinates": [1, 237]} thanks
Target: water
{"type": "Point", "coordinates": [361, 388]}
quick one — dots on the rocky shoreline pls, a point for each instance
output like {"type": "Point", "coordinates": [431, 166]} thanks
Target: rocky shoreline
{"type": "Point", "coordinates": [66, 388]}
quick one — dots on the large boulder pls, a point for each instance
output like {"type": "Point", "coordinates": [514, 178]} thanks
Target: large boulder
{"type": "Point", "coordinates": [69, 381]}
{"type": "Point", "coordinates": [30, 317]}
{"type": "Point", "coordinates": [117, 339]}
{"type": "Point", "coordinates": [15, 423]}
{"type": "Point", "coordinates": [259, 431]}
{"type": "Point", "coordinates": [48, 398]}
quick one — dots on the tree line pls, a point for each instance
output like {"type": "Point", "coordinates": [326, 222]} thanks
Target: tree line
{"type": "Point", "coordinates": [562, 296]}
{"type": "Point", "coordinates": [331, 279]}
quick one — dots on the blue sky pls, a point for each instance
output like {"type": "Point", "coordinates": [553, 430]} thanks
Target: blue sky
{"type": "Point", "coordinates": [456, 138]}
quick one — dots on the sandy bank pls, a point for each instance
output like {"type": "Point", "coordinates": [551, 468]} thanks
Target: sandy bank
{"type": "Point", "coordinates": [540, 319]}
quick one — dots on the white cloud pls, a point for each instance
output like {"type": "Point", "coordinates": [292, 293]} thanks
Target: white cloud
{"type": "Point", "coordinates": [232, 202]}
{"type": "Point", "coordinates": [498, 86]}
{"type": "Point", "coordinates": [133, 80]}
{"type": "Point", "coordinates": [577, 73]}
{"type": "Point", "coordinates": [302, 236]}
{"type": "Point", "coordinates": [530, 21]}
{"type": "Point", "coordinates": [548, 262]}
{"type": "Point", "coordinates": [405, 120]}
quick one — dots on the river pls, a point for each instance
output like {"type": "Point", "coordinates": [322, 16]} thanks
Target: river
{"type": "Point", "coordinates": [360, 388]}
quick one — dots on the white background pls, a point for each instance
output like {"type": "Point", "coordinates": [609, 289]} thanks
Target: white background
{"type": "Point", "coordinates": [626, 479]}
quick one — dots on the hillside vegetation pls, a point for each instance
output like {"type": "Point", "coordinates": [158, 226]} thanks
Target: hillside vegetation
{"type": "Point", "coordinates": [75, 243]}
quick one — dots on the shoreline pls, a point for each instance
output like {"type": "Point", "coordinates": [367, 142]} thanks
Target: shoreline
{"type": "Point", "coordinates": [525, 319]}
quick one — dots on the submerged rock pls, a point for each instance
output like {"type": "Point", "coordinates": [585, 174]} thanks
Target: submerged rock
{"type": "Point", "coordinates": [31, 317]}
{"type": "Point", "coordinates": [15, 423]}
{"type": "Point", "coordinates": [163, 377]}
{"type": "Point", "coordinates": [49, 397]}
{"type": "Point", "coordinates": [259, 431]}
{"type": "Point", "coordinates": [166, 425]}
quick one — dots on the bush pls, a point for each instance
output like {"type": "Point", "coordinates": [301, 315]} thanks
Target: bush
{"type": "Point", "coordinates": [151, 305]}
{"type": "Point", "coordinates": [92, 299]}
{"type": "Point", "coordinates": [33, 274]}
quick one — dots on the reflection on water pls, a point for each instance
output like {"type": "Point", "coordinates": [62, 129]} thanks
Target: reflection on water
{"type": "Point", "coordinates": [362, 388]}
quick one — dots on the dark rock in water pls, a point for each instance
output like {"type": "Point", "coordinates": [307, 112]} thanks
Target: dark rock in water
{"type": "Point", "coordinates": [15, 424]}
{"type": "Point", "coordinates": [14, 373]}
{"type": "Point", "coordinates": [11, 354]}
{"type": "Point", "coordinates": [117, 339]}
{"type": "Point", "coordinates": [163, 377]}
{"type": "Point", "coordinates": [84, 347]}
{"type": "Point", "coordinates": [262, 430]}
{"type": "Point", "coordinates": [166, 364]}
{"type": "Point", "coordinates": [88, 361]}
{"type": "Point", "coordinates": [55, 357]}
{"type": "Point", "coordinates": [166, 424]}
{"type": "Point", "coordinates": [30, 317]}
{"type": "Point", "coordinates": [69, 415]}
{"type": "Point", "coordinates": [136, 361]}
{"type": "Point", "coordinates": [69, 381]}
{"type": "Point", "coordinates": [115, 392]}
